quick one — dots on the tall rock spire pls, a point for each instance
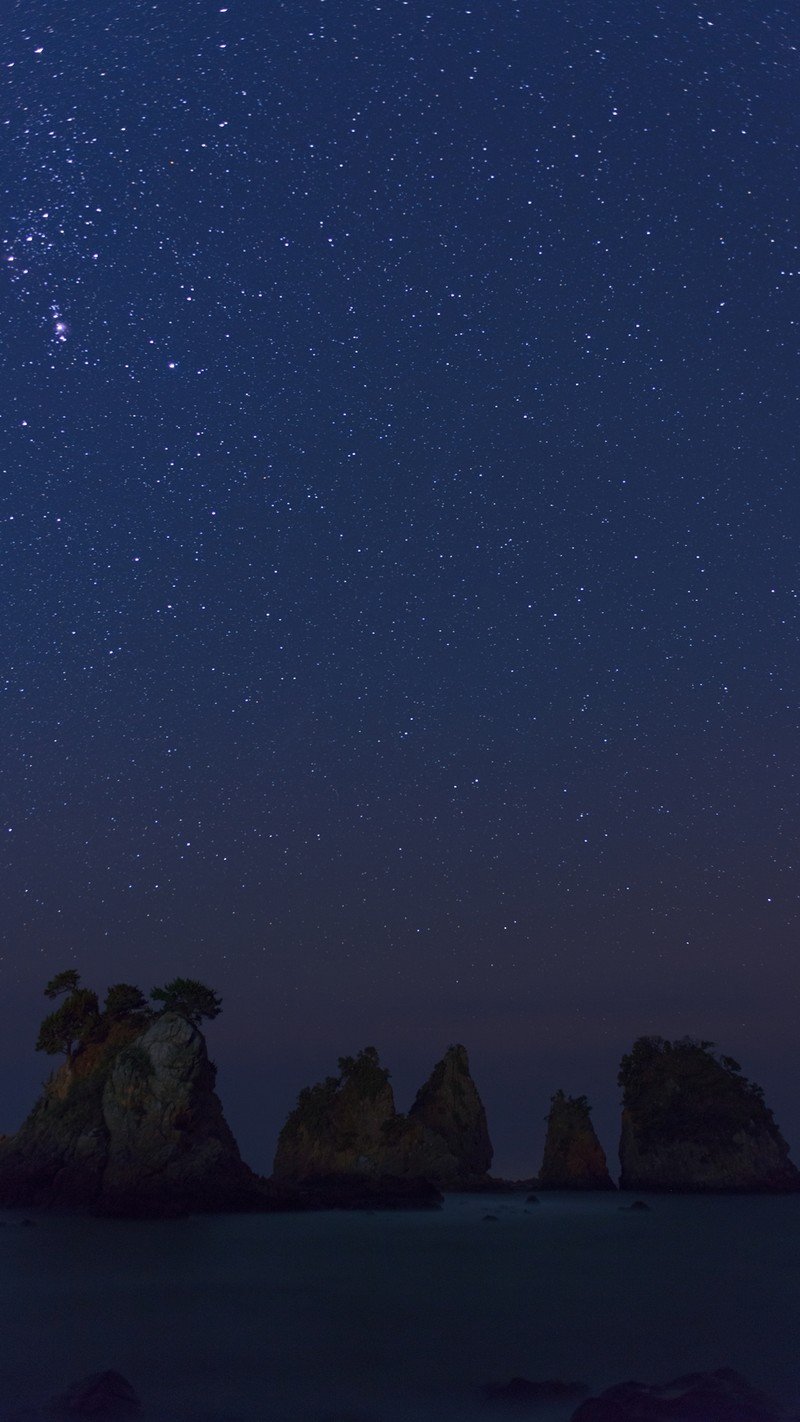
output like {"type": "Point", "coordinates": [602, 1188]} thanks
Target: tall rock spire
{"type": "Point", "coordinates": [449, 1105]}
{"type": "Point", "coordinates": [573, 1156]}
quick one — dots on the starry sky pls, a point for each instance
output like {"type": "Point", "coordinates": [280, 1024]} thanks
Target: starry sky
{"type": "Point", "coordinates": [400, 527]}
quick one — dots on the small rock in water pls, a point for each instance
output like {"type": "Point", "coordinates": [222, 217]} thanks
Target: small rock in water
{"type": "Point", "coordinates": [533, 1200]}
{"type": "Point", "coordinates": [637, 1205]}
{"type": "Point", "coordinates": [344, 1417]}
{"type": "Point", "coordinates": [213, 1417]}
{"type": "Point", "coordinates": [524, 1392]}
{"type": "Point", "coordinates": [101, 1396]}
{"type": "Point", "coordinates": [28, 1224]}
{"type": "Point", "coordinates": [494, 1218]}
{"type": "Point", "coordinates": [721, 1396]}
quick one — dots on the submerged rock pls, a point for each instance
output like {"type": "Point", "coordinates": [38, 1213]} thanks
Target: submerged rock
{"type": "Point", "coordinates": [526, 1393]}
{"type": "Point", "coordinates": [722, 1396]}
{"type": "Point", "coordinates": [368, 1192]}
{"type": "Point", "coordinates": [573, 1156]}
{"type": "Point", "coordinates": [348, 1125]}
{"type": "Point", "coordinates": [106, 1397]}
{"type": "Point", "coordinates": [131, 1126]}
{"type": "Point", "coordinates": [691, 1121]}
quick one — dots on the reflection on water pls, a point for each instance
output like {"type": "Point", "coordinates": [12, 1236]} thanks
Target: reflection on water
{"type": "Point", "coordinates": [393, 1316]}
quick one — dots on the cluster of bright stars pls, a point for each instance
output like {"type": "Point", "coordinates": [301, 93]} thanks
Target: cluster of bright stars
{"type": "Point", "coordinates": [60, 326]}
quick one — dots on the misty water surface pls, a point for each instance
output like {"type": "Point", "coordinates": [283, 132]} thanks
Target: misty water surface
{"type": "Point", "coordinates": [401, 1315]}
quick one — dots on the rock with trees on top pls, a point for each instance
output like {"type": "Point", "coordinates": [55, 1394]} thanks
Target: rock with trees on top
{"type": "Point", "coordinates": [692, 1122]}
{"type": "Point", "coordinates": [573, 1156]}
{"type": "Point", "coordinates": [130, 1122]}
{"type": "Point", "coordinates": [348, 1125]}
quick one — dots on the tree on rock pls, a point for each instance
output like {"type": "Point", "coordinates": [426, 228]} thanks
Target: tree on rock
{"type": "Point", "coordinates": [692, 1121]}
{"type": "Point", "coordinates": [125, 1000]}
{"type": "Point", "coordinates": [72, 1025]}
{"type": "Point", "coordinates": [364, 1072]}
{"type": "Point", "coordinates": [189, 999]}
{"type": "Point", "coordinates": [68, 981]}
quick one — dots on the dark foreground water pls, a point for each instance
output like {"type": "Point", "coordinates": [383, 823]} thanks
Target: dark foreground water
{"type": "Point", "coordinates": [400, 1316]}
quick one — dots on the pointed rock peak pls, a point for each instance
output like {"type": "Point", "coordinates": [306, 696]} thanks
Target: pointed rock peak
{"type": "Point", "coordinates": [454, 1063]}
{"type": "Point", "coordinates": [449, 1105]}
{"type": "Point", "coordinates": [573, 1156]}
{"type": "Point", "coordinates": [456, 1059]}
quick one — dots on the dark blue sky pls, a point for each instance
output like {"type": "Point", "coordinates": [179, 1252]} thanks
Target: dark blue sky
{"type": "Point", "coordinates": [400, 527]}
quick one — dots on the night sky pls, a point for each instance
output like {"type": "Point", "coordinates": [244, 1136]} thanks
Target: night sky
{"type": "Point", "coordinates": [400, 527]}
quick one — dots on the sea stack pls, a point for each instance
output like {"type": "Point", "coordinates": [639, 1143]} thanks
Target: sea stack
{"type": "Point", "coordinates": [348, 1125]}
{"type": "Point", "coordinates": [131, 1125]}
{"type": "Point", "coordinates": [449, 1105]}
{"type": "Point", "coordinates": [692, 1122]}
{"type": "Point", "coordinates": [573, 1156]}
{"type": "Point", "coordinates": [338, 1126]}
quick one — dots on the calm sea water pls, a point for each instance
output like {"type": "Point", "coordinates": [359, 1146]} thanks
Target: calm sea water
{"type": "Point", "coordinates": [402, 1316]}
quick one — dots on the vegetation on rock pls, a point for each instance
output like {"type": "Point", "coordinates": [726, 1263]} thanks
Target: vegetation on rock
{"type": "Point", "coordinates": [573, 1156]}
{"type": "Point", "coordinates": [129, 1123]}
{"type": "Point", "coordinates": [684, 1089]}
{"type": "Point", "coordinates": [78, 1021]}
{"type": "Point", "coordinates": [324, 1112]}
{"type": "Point", "coordinates": [73, 1024]}
{"type": "Point", "coordinates": [68, 981]}
{"type": "Point", "coordinates": [189, 998]}
{"type": "Point", "coordinates": [348, 1125]}
{"type": "Point", "coordinates": [124, 1000]}
{"type": "Point", "coordinates": [692, 1121]}
{"type": "Point", "coordinates": [364, 1073]}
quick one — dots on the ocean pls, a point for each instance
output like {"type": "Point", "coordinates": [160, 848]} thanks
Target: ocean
{"type": "Point", "coordinates": [340, 1317]}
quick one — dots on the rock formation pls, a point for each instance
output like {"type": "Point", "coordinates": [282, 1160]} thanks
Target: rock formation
{"type": "Point", "coordinates": [573, 1156]}
{"type": "Point", "coordinates": [131, 1125]}
{"type": "Point", "coordinates": [106, 1397]}
{"type": "Point", "coordinates": [348, 1125]}
{"type": "Point", "coordinates": [722, 1396]}
{"type": "Point", "coordinates": [337, 1127]}
{"type": "Point", "coordinates": [449, 1106]}
{"type": "Point", "coordinates": [691, 1121]}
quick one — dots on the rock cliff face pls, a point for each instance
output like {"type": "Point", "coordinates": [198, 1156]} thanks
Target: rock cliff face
{"type": "Point", "coordinates": [691, 1121]}
{"type": "Point", "coordinates": [131, 1126]}
{"type": "Point", "coordinates": [348, 1125]}
{"type": "Point", "coordinates": [449, 1106]}
{"type": "Point", "coordinates": [337, 1127]}
{"type": "Point", "coordinates": [573, 1156]}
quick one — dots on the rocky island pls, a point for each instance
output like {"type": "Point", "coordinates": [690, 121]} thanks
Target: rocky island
{"type": "Point", "coordinates": [573, 1156]}
{"type": "Point", "coordinates": [692, 1122]}
{"type": "Point", "coordinates": [349, 1124]}
{"type": "Point", "coordinates": [130, 1122]}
